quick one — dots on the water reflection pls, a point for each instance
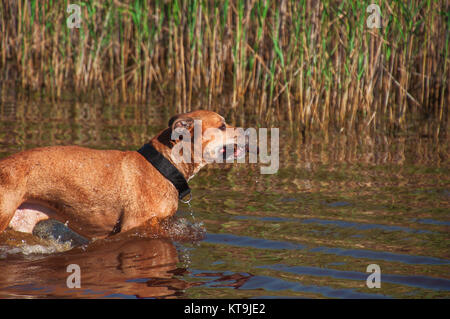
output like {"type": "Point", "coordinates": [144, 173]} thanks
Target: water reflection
{"type": "Point", "coordinates": [26, 124]}
{"type": "Point", "coordinates": [127, 267]}
{"type": "Point", "coordinates": [30, 124]}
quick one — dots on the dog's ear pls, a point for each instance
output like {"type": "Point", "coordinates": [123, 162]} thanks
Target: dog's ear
{"type": "Point", "coordinates": [181, 122]}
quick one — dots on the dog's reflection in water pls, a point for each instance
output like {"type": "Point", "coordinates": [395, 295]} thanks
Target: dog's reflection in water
{"type": "Point", "coordinates": [130, 264]}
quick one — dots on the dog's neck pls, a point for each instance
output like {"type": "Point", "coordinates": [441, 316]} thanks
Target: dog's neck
{"type": "Point", "coordinates": [163, 144]}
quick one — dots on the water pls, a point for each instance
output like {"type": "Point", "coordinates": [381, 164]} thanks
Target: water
{"type": "Point", "coordinates": [336, 205]}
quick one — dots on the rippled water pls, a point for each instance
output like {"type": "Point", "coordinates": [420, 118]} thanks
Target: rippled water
{"type": "Point", "coordinates": [337, 204]}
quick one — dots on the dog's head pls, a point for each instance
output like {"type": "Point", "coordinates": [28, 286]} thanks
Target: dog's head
{"type": "Point", "coordinates": [208, 137]}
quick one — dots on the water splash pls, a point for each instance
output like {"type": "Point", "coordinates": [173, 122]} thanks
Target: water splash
{"type": "Point", "coordinates": [46, 248]}
{"type": "Point", "coordinates": [182, 229]}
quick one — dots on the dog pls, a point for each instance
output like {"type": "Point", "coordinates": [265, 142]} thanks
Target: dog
{"type": "Point", "coordinates": [99, 193]}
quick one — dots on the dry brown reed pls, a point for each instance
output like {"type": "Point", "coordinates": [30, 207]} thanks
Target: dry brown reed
{"type": "Point", "coordinates": [313, 63]}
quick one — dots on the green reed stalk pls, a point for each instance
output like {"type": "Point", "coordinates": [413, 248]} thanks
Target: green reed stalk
{"type": "Point", "coordinates": [315, 65]}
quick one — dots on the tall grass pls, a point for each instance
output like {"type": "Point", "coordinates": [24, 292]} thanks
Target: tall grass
{"type": "Point", "coordinates": [313, 63]}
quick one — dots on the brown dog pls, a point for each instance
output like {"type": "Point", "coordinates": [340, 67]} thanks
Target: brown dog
{"type": "Point", "coordinates": [102, 192]}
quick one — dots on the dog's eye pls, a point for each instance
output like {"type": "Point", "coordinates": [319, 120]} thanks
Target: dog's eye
{"type": "Point", "coordinates": [223, 127]}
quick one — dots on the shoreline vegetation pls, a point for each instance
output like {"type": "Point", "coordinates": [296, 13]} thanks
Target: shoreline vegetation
{"type": "Point", "coordinates": [315, 65]}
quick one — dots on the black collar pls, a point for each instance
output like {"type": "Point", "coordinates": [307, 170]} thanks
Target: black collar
{"type": "Point", "coordinates": [166, 168]}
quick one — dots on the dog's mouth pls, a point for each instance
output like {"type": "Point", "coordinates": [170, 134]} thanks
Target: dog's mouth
{"type": "Point", "coordinates": [232, 151]}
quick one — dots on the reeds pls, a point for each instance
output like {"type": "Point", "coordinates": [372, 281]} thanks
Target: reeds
{"type": "Point", "coordinates": [315, 64]}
